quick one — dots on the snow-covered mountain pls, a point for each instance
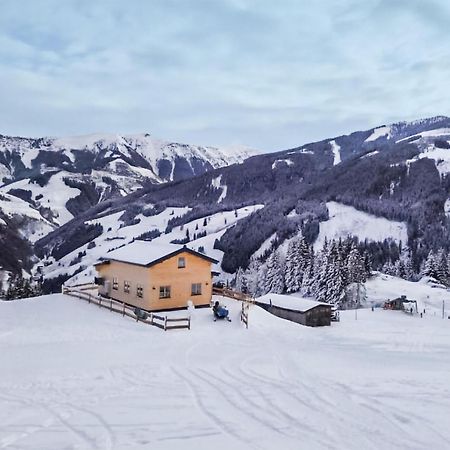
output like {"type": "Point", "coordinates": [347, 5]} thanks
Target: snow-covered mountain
{"type": "Point", "coordinates": [135, 156]}
{"type": "Point", "coordinates": [46, 182]}
{"type": "Point", "coordinates": [396, 172]}
{"type": "Point", "coordinates": [386, 173]}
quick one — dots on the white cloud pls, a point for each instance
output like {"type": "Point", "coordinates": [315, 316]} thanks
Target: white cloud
{"type": "Point", "coordinates": [270, 76]}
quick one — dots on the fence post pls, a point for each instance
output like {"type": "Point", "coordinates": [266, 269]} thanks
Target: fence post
{"type": "Point", "coordinates": [151, 318]}
{"type": "Point", "coordinates": [189, 322]}
{"type": "Point", "coordinates": [100, 303]}
{"type": "Point", "coordinates": [165, 324]}
{"type": "Point", "coordinates": [110, 305]}
{"type": "Point", "coordinates": [123, 310]}
{"type": "Point", "coordinates": [89, 300]}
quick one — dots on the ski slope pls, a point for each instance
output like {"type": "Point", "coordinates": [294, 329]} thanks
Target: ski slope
{"type": "Point", "coordinates": [79, 377]}
{"type": "Point", "coordinates": [347, 221]}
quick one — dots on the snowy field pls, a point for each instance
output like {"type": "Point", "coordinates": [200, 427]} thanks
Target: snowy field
{"type": "Point", "coordinates": [347, 221]}
{"type": "Point", "coordinates": [78, 377]}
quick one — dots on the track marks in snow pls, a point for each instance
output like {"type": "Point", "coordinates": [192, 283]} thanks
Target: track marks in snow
{"type": "Point", "coordinates": [209, 413]}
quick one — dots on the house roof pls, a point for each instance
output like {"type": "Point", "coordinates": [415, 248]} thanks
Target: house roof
{"type": "Point", "coordinates": [144, 253]}
{"type": "Point", "coordinates": [290, 302]}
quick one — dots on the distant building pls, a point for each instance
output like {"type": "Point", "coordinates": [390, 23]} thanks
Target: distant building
{"type": "Point", "coordinates": [297, 309]}
{"type": "Point", "coordinates": [156, 277]}
{"type": "Point", "coordinates": [401, 304]}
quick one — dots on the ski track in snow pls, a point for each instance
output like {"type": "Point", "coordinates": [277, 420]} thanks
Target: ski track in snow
{"type": "Point", "coordinates": [377, 382]}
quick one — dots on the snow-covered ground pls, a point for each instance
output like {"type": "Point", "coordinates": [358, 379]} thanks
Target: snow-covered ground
{"type": "Point", "coordinates": [441, 157]}
{"type": "Point", "coordinates": [382, 287]}
{"type": "Point", "coordinates": [347, 221]}
{"type": "Point", "coordinates": [336, 149]}
{"type": "Point", "coordinates": [76, 376]}
{"type": "Point", "coordinates": [380, 132]}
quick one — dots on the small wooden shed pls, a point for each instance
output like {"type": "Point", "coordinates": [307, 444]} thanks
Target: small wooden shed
{"type": "Point", "coordinates": [301, 310]}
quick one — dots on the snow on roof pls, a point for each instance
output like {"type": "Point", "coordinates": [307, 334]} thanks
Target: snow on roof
{"type": "Point", "coordinates": [290, 302]}
{"type": "Point", "coordinates": [145, 253]}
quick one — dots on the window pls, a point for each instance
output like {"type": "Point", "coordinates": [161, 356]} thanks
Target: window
{"type": "Point", "coordinates": [115, 284]}
{"type": "Point", "coordinates": [196, 289]}
{"type": "Point", "coordinates": [181, 262]}
{"type": "Point", "coordinates": [140, 291]}
{"type": "Point", "coordinates": [164, 292]}
{"type": "Point", "coordinates": [126, 287]}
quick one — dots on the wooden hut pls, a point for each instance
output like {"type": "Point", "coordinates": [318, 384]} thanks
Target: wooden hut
{"type": "Point", "coordinates": [297, 309]}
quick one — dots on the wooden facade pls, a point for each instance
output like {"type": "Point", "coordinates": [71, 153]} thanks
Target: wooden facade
{"type": "Point", "coordinates": [164, 284]}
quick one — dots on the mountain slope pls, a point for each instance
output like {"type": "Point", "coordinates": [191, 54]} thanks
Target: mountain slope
{"type": "Point", "coordinates": [387, 173]}
{"type": "Point", "coordinates": [46, 182]}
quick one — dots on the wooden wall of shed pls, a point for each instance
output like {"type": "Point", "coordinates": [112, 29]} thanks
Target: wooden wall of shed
{"type": "Point", "coordinates": [316, 317]}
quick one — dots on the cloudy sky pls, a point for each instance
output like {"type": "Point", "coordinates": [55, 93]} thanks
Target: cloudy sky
{"type": "Point", "coordinates": [267, 74]}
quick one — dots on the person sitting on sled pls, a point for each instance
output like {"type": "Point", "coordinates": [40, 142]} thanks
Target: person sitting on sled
{"type": "Point", "coordinates": [220, 312]}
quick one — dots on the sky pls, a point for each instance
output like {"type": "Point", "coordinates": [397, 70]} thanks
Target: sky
{"type": "Point", "coordinates": [267, 74]}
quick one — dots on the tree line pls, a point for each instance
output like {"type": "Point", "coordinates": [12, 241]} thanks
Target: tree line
{"type": "Point", "coordinates": [334, 275]}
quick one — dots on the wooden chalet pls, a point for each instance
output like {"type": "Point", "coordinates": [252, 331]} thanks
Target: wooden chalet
{"type": "Point", "coordinates": [156, 277]}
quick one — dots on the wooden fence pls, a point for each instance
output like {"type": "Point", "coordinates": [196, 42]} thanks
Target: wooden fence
{"type": "Point", "coordinates": [244, 313]}
{"type": "Point", "coordinates": [226, 292]}
{"type": "Point", "coordinates": [156, 320]}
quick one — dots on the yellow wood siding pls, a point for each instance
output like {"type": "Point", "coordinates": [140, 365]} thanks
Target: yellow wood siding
{"type": "Point", "coordinates": [134, 275]}
{"type": "Point", "coordinates": [166, 273]}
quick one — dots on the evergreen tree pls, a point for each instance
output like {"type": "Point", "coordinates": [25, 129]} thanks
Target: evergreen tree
{"type": "Point", "coordinates": [430, 266]}
{"type": "Point", "coordinates": [388, 268]}
{"type": "Point", "coordinates": [293, 272]}
{"type": "Point", "coordinates": [355, 295]}
{"type": "Point", "coordinates": [239, 279]}
{"type": "Point", "coordinates": [251, 275]}
{"type": "Point", "coordinates": [274, 280]}
{"type": "Point", "coordinates": [441, 267]}
{"type": "Point", "coordinates": [406, 257]}
{"type": "Point", "coordinates": [355, 267]}
{"type": "Point", "coordinates": [399, 269]}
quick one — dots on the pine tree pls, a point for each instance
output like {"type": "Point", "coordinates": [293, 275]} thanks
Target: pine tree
{"type": "Point", "coordinates": [251, 275]}
{"type": "Point", "coordinates": [441, 267]}
{"type": "Point", "coordinates": [292, 267]}
{"type": "Point", "coordinates": [238, 281]}
{"type": "Point", "coordinates": [399, 269]}
{"type": "Point", "coordinates": [430, 266]}
{"type": "Point", "coordinates": [274, 281]}
{"type": "Point", "coordinates": [322, 275]}
{"type": "Point", "coordinates": [355, 267]}
{"type": "Point", "coordinates": [388, 268]}
{"type": "Point", "coordinates": [337, 275]}
{"type": "Point", "coordinates": [406, 257]}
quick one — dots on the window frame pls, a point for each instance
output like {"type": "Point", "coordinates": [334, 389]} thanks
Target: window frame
{"type": "Point", "coordinates": [115, 283]}
{"type": "Point", "coordinates": [126, 286]}
{"type": "Point", "coordinates": [139, 291]}
{"type": "Point", "coordinates": [164, 292]}
{"type": "Point", "coordinates": [182, 258]}
{"type": "Point", "coordinates": [194, 291]}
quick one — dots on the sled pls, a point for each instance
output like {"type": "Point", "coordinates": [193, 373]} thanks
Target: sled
{"type": "Point", "coordinates": [221, 313]}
